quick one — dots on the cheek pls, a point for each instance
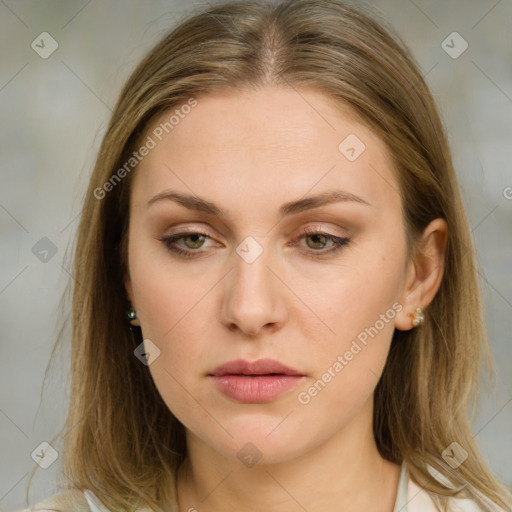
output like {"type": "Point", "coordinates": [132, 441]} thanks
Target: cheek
{"type": "Point", "coordinates": [165, 295]}
{"type": "Point", "coordinates": [173, 318]}
{"type": "Point", "coordinates": [358, 294]}
{"type": "Point", "coordinates": [349, 366]}
{"type": "Point", "coordinates": [170, 321]}
{"type": "Point", "coordinates": [360, 308]}
{"type": "Point", "coordinates": [167, 304]}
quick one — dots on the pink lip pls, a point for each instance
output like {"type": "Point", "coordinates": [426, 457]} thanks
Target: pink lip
{"type": "Point", "coordinates": [257, 382]}
{"type": "Point", "coordinates": [259, 367]}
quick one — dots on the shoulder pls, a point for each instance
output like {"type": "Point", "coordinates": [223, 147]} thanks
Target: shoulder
{"type": "Point", "coordinates": [71, 500]}
{"type": "Point", "coordinates": [420, 500]}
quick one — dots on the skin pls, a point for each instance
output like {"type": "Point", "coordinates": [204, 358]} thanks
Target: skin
{"type": "Point", "coordinates": [250, 152]}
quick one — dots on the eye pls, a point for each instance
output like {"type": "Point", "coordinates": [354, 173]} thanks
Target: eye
{"type": "Point", "coordinates": [193, 241]}
{"type": "Point", "coordinates": [320, 239]}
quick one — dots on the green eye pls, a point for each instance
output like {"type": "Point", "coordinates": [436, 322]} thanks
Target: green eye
{"type": "Point", "coordinates": [192, 242]}
{"type": "Point", "coordinates": [188, 244]}
{"type": "Point", "coordinates": [197, 240]}
{"type": "Point", "coordinates": [319, 241]}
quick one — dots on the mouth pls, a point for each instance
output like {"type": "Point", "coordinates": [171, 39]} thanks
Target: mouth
{"type": "Point", "coordinates": [257, 368]}
{"type": "Point", "coordinates": [261, 381]}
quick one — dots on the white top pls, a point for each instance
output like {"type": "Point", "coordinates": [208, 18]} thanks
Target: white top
{"type": "Point", "coordinates": [410, 498]}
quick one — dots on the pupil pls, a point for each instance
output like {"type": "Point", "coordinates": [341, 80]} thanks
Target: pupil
{"type": "Point", "coordinates": [318, 239]}
{"type": "Point", "coordinates": [195, 239]}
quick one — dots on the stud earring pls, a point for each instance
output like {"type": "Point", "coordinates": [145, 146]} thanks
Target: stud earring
{"type": "Point", "coordinates": [418, 317]}
{"type": "Point", "coordinates": [131, 315]}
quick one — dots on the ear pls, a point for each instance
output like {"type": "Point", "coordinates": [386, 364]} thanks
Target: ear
{"type": "Point", "coordinates": [424, 272]}
{"type": "Point", "coordinates": [129, 294]}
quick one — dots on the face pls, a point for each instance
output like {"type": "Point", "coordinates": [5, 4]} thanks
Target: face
{"type": "Point", "coordinates": [231, 259]}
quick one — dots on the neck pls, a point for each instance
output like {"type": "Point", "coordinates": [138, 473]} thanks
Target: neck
{"type": "Point", "coordinates": [346, 472]}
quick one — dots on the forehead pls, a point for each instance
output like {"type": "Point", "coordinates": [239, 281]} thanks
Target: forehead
{"type": "Point", "coordinates": [273, 143]}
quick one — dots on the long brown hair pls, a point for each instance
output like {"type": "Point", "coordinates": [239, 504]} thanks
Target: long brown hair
{"type": "Point", "coordinates": [121, 440]}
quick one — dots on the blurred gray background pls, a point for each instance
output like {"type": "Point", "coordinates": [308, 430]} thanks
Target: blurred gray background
{"type": "Point", "coordinates": [54, 111]}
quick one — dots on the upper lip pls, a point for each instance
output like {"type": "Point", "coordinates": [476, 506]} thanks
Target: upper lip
{"type": "Point", "coordinates": [259, 367]}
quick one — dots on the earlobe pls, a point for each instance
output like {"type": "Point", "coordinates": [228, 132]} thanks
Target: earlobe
{"type": "Point", "coordinates": [131, 314]}
{"type": "Point", "coordinates": [131, 317]}
{"type": "Point", "coordinates": [409, 317]}
{"type": "Point", "coordinates": [424, 275]}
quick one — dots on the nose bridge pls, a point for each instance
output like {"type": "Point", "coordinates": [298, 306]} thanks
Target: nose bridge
{"type": "Point", "coordinates": [251, 278]}
{"type": "Point", "coordinates": [251, 299]}
{"type": "Point", "coordinates": [252, 274]}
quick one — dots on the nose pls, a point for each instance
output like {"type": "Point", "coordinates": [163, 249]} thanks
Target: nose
{"type": "Point", "coordinates": [254, 298]}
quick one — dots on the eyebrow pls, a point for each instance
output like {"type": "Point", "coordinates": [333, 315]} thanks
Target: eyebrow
{"type": "Point", "coordinates": [196, 203]}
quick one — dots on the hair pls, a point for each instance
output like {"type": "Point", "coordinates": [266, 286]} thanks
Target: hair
{"type": "Point", "coordinates": [121, 440]}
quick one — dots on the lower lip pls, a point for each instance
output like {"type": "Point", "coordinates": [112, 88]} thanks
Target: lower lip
{"type": "Point", "coordinates": [255, 389]}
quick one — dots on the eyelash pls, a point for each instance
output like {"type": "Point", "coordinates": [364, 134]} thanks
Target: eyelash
{"type": "Point", "coordinates": [338, 242]}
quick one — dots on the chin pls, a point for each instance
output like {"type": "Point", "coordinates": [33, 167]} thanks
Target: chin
{"type": "Point", "coordinates": [260, 443]}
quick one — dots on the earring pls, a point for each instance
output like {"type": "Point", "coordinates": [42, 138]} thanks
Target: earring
{"type": "Point", "coordinates": [418, 317]}
{"type": "Point", "coordinates": [131, 315]}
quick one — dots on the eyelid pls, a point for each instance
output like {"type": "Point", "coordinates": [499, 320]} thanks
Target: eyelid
{"type": "Point", "coordinates": [189, 230]}
{"type": "Point", "coordinates": [315, 228]}
{"type": "Point", "coordinates": [183, 232]}
{"type": "Point", "coordinates": [308, 230]}
{"type": "Point", "coordinates": [338, 242]}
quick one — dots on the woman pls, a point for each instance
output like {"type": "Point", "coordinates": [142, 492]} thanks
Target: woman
{"type": "Point", "coordinates": [276, 305]}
